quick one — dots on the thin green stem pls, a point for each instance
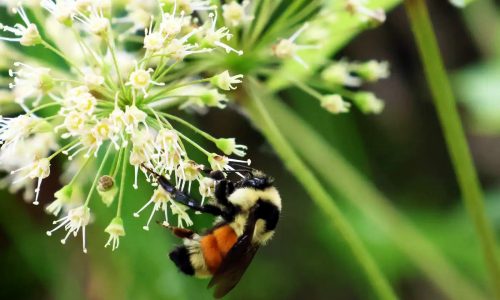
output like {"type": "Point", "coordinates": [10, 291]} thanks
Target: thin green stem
{"type": "Point", "coordinates": [122, 182]}
{"type": "Point", "coordinates": [190, 126]}
{"type": "Point", "coordinates": [43, 106]}
{"type": "Point", "coordinates": [309, 90]}
{"type": "Point", "coordinates": [62, 149]}
{"type": "Point", "coordinates": [454, 134]}
{"type": "Point", "coordinates": [363, 195]}
{"type": "Point", "coordinates": [166, 90]}
{"type": "Point", "coordinates": [111, 48]}
{"type": "Point", "coordinates": [259, 115]}
{"type": "Point", "coordinates": [116, 164]}
{"type": "Point", "coordinates": [98, 175]}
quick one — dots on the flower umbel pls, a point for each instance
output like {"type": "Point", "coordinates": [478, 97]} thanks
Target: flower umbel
{"type": "Point", "coordinates": [105, 101]}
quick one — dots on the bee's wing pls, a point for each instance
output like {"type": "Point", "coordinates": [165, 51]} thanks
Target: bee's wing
{"type": "Point", "coordinates": [236, 261]}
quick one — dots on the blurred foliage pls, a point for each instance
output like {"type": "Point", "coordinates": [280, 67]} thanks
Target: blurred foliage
{"type": "Point", "coordinates": [478, 89]}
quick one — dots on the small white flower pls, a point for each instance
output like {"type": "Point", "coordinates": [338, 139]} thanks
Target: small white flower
{"type": "Point", "coordinates": [26, 35]}
{"type": "Point", "coordinates": [213, 37]}
{"type": "Point", "coordinates": [76, 219]}
{"type": "Point", "coordinates": [75, 123]}
{"type": "Point", "coordinates": [209, 98]}
{"type": "Point", "coordinates": [207, 188]}
{"type": "Point", "coordinates": [92, 77]}
{"type": "Point", "coordinates": [39, 169]}
{"type": "Point", "coordinates": [335, 104]}
{"type": "Point", "coordinates": [12, 130]}
{"type": "Point", "coordinates": [183, 218]}
{"type": "Point", "coordinates": [160, 201]}
{"type": "Point", "coordinates": [62, 198]}
{"type": "Point", "coordinates": [287, 48]}
{"type": "Point", "coordinates": [170, 151]}
{"type": "Point", "coordinates": [30, 82]}
{"type": "Point", "coordinates": [339, 73]}
{"type": "Point", "coordinates": [141, 80]}
{"type": "Point", "coordinates": [133, 117]}
{"type": "Point", "coordinates": [224, 81]}
{"type": "Point", "coordinates": [178, 49]}
{"type": "Point", "coordinates": [235, 14]}
{"type": "Point", "coordinates": [373, 70]}
{"type": "Point", "coordinates": [221, 163]}
{"type": "Point", "coordinates": [188, 171]}
{"type": "Point", "coordinates": [171, 25]}
{"type": "Point", "coordinates": [95, 23]}
{"type": "Point", "coordinates": [153, 41]}
{"type": "Point", "coordinates": [358, 8]}
{"type": "Point", "coordinates": [63, 11]}
{"type": "Point", "coordinates": [115, 230]}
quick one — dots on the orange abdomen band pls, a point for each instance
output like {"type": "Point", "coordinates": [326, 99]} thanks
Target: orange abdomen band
{"type": "Point", "coordinates": [216, 245]}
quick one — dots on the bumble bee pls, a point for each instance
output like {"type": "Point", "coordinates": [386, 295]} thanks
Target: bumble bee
{"type": "Point", "coordinates": [247, 212]}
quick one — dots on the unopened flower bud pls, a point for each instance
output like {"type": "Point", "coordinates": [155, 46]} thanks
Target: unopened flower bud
{"type": "Point", "coordinates": [229, 146]}
{"type": "Point", "coordinates": [368, 103]}
{"type": "Point", "coordinates": [373, 70]}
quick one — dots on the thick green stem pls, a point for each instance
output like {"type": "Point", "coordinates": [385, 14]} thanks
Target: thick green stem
{"type": "Point", "coordinates": [260, 117]}
{"type": "Point", "coordinates": [454, 133]}
{"type": "Point", "coordinates": [375, 206]}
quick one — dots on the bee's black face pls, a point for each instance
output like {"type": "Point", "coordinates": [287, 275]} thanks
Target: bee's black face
{"type": "Point", "coordinates": [258, 181]}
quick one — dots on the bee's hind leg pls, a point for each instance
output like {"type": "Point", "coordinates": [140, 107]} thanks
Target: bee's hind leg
{"type": "Point", "coordinates": [179, 232]}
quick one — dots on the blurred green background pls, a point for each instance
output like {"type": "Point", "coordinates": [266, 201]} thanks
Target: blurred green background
{"type": "Point", "coordinates": [402, 151]}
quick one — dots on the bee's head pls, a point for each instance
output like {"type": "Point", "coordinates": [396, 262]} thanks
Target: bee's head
{"type": "Point", "coordinates": [257, 180]}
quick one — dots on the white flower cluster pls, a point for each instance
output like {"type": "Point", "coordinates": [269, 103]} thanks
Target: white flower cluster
{"type": "Point", "coordinates": [125, 66]}
{"type": "Point", "coordinates": [110, 102]}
